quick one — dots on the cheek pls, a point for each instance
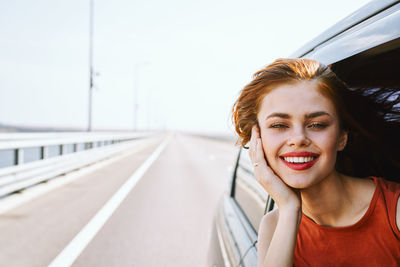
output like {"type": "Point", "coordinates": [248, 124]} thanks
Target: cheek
{"type": "Point", "coordinates": [328, 141]}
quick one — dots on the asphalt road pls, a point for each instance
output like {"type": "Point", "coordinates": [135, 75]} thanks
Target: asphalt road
{"type": "Point", "coordinates": [165, 219]}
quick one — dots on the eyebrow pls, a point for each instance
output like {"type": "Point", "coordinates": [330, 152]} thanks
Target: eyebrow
{"type": "Point", "coordinates": [317, 114]}
{"type": "Point", "coordinates": [287, 116]}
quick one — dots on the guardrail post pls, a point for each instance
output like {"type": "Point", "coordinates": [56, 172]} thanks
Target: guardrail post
{"type": "Point", "coordinates": [19, 156]}
{"type": "Point", "coordinates": [62, 149]}
{"type": "Point", "coordinates": [44, 152]}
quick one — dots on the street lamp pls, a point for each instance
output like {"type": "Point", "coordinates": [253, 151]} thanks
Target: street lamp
{"type": "Point", "coordinates": [91, 74]}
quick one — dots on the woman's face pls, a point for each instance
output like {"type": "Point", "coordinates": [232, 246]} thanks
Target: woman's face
{"type": "Point", "coordinates": [300, 133]}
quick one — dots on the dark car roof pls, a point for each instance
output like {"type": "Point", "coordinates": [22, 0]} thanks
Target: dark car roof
{"type": "Point", "coordinates": [386, 27]}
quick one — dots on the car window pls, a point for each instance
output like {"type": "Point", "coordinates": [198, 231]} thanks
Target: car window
{"type": "Point", "coordinates": [248, 193]}
{"type": "Point", "coordinates": [375, 68]}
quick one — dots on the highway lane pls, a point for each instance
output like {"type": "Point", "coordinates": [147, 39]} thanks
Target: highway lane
{"type": "Point", "coordinates": [35, 233]}
{"type": "Point", "coordinates": [164, 221]}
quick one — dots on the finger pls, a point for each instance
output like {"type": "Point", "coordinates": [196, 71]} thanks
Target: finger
{"type": "Point", "coordinates": [252, 145]}
{"type": "Point", "coordinates": [256, 135]}
{"type": "Point", "coordinates": [259, 152]}
{"type": "Point", "coordinates": [255, 131]}
{"type": "Point", "coordinates": [263, 173]}
{"type": "Point", "coordinates": [260, 158]}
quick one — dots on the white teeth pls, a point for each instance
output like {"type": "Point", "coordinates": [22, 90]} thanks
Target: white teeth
{"type": "Point", "coordinates": [298, 159]}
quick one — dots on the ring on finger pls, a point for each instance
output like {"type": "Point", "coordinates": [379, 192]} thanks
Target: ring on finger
{"type": "Point", "coordinates": [255, 164]}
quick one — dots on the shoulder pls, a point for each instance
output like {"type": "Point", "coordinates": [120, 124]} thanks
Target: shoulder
{"type": "Point", "coordinates": [391, 190]}
{"type": "Point", "coordinates": [362, 191]}
{"type": "Point", "coordinates": [266, 231]}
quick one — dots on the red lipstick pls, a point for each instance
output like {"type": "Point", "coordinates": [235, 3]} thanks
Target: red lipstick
{"type": "Point", "coordinates": [300, 166]}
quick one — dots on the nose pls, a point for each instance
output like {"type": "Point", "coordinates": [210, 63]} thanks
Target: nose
{"type": "Point", "coordinates": [298, 137]}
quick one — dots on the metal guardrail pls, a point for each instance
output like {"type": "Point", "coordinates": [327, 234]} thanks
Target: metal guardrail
{"type": "Point", "coordinates": [61, 143]}
{"type": "Point", "coordinates": [86, 149]}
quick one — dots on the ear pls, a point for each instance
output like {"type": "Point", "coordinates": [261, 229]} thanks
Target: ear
{"type": "Point", "coordinates": [342, 140]}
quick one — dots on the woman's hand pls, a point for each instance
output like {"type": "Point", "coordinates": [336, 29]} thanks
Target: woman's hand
{"type": "Point", "coordinates": [283, 195]}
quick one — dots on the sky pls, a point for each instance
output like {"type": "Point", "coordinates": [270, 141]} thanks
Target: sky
{"type": "Point", "coordinates": [176, 64]}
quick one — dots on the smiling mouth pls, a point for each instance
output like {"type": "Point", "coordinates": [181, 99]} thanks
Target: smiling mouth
{"type": "Point", "coordinates": [299, 161]}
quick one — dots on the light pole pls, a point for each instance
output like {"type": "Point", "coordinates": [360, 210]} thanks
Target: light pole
{"type": "Point", "coordinates": [89, 129]}
{"type": "Point", "coordinates": [135, 98]}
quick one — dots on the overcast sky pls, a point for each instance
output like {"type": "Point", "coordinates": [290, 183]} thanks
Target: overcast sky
{"type": "Point", "coordinates": [187, 59]}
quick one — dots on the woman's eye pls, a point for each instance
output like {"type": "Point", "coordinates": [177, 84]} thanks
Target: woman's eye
{"type": "Point", "coordinates": [318, 125]}
{"type": "Point", "coordinates": [279, 126]}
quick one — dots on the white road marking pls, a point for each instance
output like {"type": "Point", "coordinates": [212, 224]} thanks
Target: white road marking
{"type": "Point", "coordinates": [83, 238]}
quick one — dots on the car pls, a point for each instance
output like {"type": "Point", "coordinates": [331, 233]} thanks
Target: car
{"type": "Point", "coordinates": [363, 49]}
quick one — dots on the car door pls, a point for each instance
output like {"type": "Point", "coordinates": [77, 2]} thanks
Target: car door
{"type": "Point", "coordinates": [238, 217]}
{"type": "Point", "coordinates": [364, 51]}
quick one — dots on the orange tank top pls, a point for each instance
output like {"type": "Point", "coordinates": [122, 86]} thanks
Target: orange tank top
{"type": "Point", "coordinates": [373, 241]}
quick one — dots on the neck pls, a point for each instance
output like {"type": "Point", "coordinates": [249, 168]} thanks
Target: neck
{"type": "Point", "coordinates": [328, 202]}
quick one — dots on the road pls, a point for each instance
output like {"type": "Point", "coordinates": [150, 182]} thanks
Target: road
{"type": "Point", "coordinates": [164, 220]}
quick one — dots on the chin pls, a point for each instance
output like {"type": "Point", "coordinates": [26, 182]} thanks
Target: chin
{"type": "Point", "coordinates": [305, 178]}
{"type": "Point", "coordinates": [299, 181]}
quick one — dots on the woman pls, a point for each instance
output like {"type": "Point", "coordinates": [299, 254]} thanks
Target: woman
{"type": "Point", "coordinates": [310, 138]}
